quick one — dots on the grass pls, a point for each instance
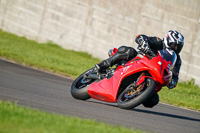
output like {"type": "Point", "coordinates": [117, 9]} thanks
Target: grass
{"type": "Point", "coordinates": [46, 56]}
{"type": "Point", "coordinates": [14, 118]}
{"type": "Point", "coordinates": [185, 95]}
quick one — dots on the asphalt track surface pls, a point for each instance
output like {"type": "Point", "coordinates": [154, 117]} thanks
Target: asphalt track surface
{"type": "Point", "coordinates": [51, 93]}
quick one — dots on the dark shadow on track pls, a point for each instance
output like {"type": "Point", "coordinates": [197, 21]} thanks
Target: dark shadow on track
{"type": "Point", "coordinates": [152, 112]}
{"type": "Point", "coordinates": [166, 114]}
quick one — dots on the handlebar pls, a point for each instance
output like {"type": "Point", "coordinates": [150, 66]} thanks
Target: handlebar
{"type": "Point", "coordinates": [150, 53]}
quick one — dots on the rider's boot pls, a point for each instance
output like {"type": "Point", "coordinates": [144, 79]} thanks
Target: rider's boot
{"type": "Point", "coordinates": [123, 54]}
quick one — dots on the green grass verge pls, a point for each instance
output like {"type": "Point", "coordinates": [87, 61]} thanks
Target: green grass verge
{"type": "Point", "coordinates": [17, 119]}
{"type": "Point", "coordinates": [185, 95]}
{"type": "Point", "coordinates": [45, 56]}
{"type": "Point", "coordinates": [54, 58]}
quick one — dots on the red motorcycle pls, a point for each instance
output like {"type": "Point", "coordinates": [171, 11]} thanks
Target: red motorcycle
{"type": "Point", "coordinates": [129, 84]}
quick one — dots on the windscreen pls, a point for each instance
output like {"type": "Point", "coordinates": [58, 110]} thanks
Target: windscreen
{"type": "Point", "coordinates": [168, 55]}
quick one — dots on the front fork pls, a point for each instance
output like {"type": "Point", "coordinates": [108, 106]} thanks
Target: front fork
{"type": "Point", "coordinates": [137, 86]}
{"type": "Point", "coordinates": [141, 79]}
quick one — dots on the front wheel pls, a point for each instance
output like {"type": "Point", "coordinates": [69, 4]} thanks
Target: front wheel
{"type": "Point", "coordinates": [133, 95]}
{"type": "Point", "coordinates": [80, 86]}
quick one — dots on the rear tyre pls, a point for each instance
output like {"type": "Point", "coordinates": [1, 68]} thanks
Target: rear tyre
{"type": "Point", "coordinates": [132, 97]}
{"type": "Point", "coordinates": [80, 86]}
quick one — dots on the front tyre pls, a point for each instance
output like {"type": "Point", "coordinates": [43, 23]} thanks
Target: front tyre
{"type": "Point", "coordinates": [133, 96]}
{"type": "Point", "coordinates": [80, 86]}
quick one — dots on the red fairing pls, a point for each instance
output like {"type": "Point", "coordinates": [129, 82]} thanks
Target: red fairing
{"type": "Point", "coordinates": [114, 51]}
{"type": "Point", "coordinates": [158, 68]}
{"type": "Point", "coordinates": [105, 90]}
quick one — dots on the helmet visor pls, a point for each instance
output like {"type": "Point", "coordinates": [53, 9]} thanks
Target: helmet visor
{"type": "Point", "coordinates": [176, 47]}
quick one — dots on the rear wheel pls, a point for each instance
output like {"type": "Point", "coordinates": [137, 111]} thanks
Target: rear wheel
{"type": "Point", "coordinates": [134, 95]}
{"type": "Point", "coordinates": [80, 86]}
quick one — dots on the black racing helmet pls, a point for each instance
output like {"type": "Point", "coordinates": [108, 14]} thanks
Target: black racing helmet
{"type": "Point", "coordinates": [174, 40]}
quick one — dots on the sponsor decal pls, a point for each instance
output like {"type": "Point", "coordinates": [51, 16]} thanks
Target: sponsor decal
{"type": "Point", "coordinates": [160, 63]}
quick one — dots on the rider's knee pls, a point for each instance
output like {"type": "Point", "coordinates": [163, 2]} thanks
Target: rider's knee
{"type": "Point", "coordinates": [152, 101]}
{"type": "Point", "coordinates": [127, 52]}
{"type": "Point", "coordinates": [122, 50]}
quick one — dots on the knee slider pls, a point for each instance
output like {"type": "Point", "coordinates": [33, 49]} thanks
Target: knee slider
{"type": "Point", "coordinates": [152, 101]}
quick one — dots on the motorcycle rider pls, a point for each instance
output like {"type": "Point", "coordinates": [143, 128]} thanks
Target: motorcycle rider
{"type": "Point", "coordinates": [173, 40]}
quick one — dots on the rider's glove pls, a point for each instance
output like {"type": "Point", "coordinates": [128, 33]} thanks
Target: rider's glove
{"type": "Point", "coordinates": [143, 45]}
{"type": "Point", "coordinates": [172, 84]}
{"type": "Point", "coordinates": [144, 48]}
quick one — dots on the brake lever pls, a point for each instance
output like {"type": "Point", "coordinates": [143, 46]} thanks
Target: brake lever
{"type": "Point", "coordinates": [149, 54]}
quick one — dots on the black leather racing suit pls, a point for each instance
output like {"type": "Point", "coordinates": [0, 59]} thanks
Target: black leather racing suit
{"type": "Point", "coordinates": [125, 53]}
